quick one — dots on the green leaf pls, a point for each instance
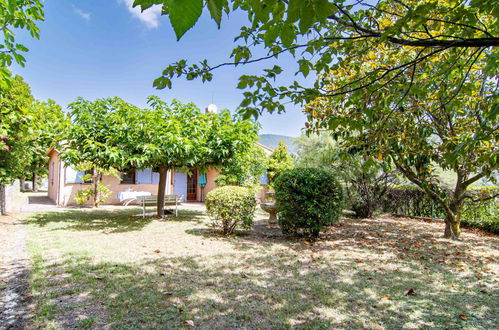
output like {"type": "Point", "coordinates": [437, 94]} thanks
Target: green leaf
{"type": "Point", "coordinates": [184, 14]}
{"type": "Point", "coordinates": [215, 7]}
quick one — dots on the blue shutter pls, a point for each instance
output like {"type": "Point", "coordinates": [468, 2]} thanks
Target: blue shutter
{"type": "Point", "coordinates": [144, 176]}
{"type": "Point", "coordinates": [155, 178]}
{"type": "Point", "coordinates": [73, 176]}
{"type": "Point", "coordinates": [264, 178]}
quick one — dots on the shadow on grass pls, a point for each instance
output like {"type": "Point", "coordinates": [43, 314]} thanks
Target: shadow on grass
{"type": "Point", "coordinates": [110, 220]}
{"type": "Point", "coordinates": [269, 291]}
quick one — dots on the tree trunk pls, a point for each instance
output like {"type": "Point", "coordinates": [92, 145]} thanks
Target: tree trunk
{"type": "Point", "coordinates": [2, 200]}
{"type": "Point", "coordinates": [95, 182]}
{"type": "Point", "coordinates": [161, 191]}
{"type": "Point", "coordinates": [35, 182]}
{"type": "Point", "coordinates": [453, 221]}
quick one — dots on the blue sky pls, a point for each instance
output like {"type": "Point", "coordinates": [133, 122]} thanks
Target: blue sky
{"type": "Point", "coordinates": [98, 48]}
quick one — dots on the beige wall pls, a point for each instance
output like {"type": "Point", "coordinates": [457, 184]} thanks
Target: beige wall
{"type": "Point", "coordinates": [54, 177]}
{"type": "Point", "coordinates": [63, 193]}
{"type": "Point", "coordinates": [113, 183]}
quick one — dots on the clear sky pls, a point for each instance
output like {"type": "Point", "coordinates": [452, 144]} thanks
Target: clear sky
{"type": "Point", "coordinates": [97, 48]}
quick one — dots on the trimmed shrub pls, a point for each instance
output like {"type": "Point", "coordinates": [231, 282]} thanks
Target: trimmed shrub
{"type": "Point", "coordinates": [410, 200]}
{"type": "Point", "coordinates": [230, 207]}
{"type": "Point", "coordinates": [307, 200]}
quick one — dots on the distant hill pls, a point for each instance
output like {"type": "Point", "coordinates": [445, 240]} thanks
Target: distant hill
{"type": "Point", "coordinates": [272, 141]}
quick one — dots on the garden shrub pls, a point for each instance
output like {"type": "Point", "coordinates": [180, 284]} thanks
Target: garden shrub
{"type": "Point", "coordinates": [307, 200]}
{"type": "Point", "coordinates": [412, 201]}
{"type": "Point", "coordinates": [231, 207]}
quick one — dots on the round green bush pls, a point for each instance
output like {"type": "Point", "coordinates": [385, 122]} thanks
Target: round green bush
{"type": "Point", "coordinates": [231, 207]}
{"type": "Point", "coordinates": [307, 200]}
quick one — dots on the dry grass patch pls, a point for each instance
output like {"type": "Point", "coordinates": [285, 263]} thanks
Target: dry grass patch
{"type": "Point", "coordinates": [126, 272]}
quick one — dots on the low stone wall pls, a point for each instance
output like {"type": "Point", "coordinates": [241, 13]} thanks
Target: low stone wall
{"type": "Point", "coordinates": [13, 197]}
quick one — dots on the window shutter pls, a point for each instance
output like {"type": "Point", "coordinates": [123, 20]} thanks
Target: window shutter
{"type": "Point", "coordinates": [155, 178]}
{"type": "Point", "coordinates": [73, 176]}
{"type": "Point", "coordinates": [264, 178]}
{"type": "Point", "coordinates": [144, 176]}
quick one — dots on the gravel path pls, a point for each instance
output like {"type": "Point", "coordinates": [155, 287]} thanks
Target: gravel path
{"type": "Point", "coordinates": [15, 299]}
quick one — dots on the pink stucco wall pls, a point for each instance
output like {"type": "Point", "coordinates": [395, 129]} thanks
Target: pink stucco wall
{"type": "Point", "coordinates": [63, 193]}
{"type": "Point", "coordinates": [69, 190]}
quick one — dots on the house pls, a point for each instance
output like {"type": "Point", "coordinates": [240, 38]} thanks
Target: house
{"type": "Point", "coordinates": [64, 182]}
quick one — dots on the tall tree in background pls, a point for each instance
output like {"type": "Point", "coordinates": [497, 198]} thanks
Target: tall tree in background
{"type": "Point", "coordinates": [365, 179]}
{"type": "Point", "coordinates": [49, 124]}
{"type": "Point", "coordinates": [16, 15]}
{"type": "Point", "coordinates": [279, 161]}
{"type": "Point", "coordinates": [244, 168]}
{"type": "Point", "coordinates": [15, 131]}
{"type": "Point", "coordinates": [324, 36]}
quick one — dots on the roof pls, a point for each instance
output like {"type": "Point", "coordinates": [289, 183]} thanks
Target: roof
{"type": "Point", "coordinates": [265, 148]}
{"type": "Point", "coordinates": [51, 150]}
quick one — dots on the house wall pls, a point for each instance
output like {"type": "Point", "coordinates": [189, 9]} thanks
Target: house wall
{"type": "Point", "coordinates": [54, 177]}
{"type": "Point", "coordinates": [63, 193]}
{"type": "Point", "coordinates": [114, 184]}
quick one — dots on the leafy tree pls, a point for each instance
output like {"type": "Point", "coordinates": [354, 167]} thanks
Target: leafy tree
{"type": "Point", "coordinates": [326, 36]}
{"type": "Point", "coordinates": [365, 180]}
{"type": "Point", "coordinates": [49, 122]}
{"type": "Point", "coordinates": [279, 161]}
{"type": "Point", "coordinates": [176, 135]}
{"type": "Point", "coordinates": [15, 129]}
{"type": "Point", "coordinates": [93, 139]}
{"type": "Point", "coordinates": [16, 15]}
{"type": "Point", "coordinates": [244, 169]}
{"type": "Point", "coordinates": [452, 126]}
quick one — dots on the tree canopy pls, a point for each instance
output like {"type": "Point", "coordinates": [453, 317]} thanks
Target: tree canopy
{"type": "Point", "coordinates": [16, 15]}
{"type": "Point", "coordinates": [15, 129]}
{"type": "Point", "coordinates": [450, 124]}
{"type": "Point", "coordinates": [110, 133]}
{"type": "Point", "coordinates": [325, 36]}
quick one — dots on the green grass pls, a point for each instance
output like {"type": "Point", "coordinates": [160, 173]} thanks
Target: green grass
{"type": "Point", "coordinates": [105, 268]}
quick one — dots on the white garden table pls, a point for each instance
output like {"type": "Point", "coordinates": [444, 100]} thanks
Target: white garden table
{"type": "Point", "coordinates": [126, 197]}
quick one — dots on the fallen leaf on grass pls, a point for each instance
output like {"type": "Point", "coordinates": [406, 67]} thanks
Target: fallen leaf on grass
{"type": "Point", "coordinates": [189, 323]}
{"type": "Point", "coordinates": [168, 293]}
{"type": "Point", "coordinates": [307, 243]}
{"type": "Point", "coordinates": [409, 292]}
{"type": "Point", "coordinates": [460, 263]}
{"type": "Point", "coordinates": [417, 244]}
{"type": "Point", "coordinates": [463, 317]}
{"type": "Point", "coordinates": [157, 251]}
{"type": "Point", "coordinates": [385, 297]}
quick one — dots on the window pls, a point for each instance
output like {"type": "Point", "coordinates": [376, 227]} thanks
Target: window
{"type": "Point", "coordinates": [128, 177]}
{"type": "Point", "coordinates": [52, 171]}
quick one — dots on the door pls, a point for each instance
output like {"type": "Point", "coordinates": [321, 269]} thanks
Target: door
{"type": "Point", "coordinates": [192, 186]}
{"type": "Point", "coordinates": [179, 183]}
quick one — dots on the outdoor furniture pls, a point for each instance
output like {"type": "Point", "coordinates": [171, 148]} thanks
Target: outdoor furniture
{"type": "Point", "coordinates": [170, 200]}
{"type": "Point", "coordinates": [126, 197]}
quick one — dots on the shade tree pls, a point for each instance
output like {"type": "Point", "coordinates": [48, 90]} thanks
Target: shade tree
{"type": "Point", "coordinates": [16, 15]}
{"type": "Point", "coordinates": [451, 126]}
{"type": "Point", "coordinates": [323, 36]}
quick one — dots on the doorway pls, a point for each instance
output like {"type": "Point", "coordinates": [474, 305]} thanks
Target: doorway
{"type": "Point", "coordinates": [192, 185]}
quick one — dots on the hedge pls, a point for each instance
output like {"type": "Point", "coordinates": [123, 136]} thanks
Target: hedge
{"type": "Point", "coordinates": [412, 201]}
{"type": "Point", "coordinates": [308, 200]}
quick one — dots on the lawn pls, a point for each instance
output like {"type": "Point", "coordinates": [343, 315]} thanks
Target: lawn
{"type": "Point", "coordinates": [105, 268]}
